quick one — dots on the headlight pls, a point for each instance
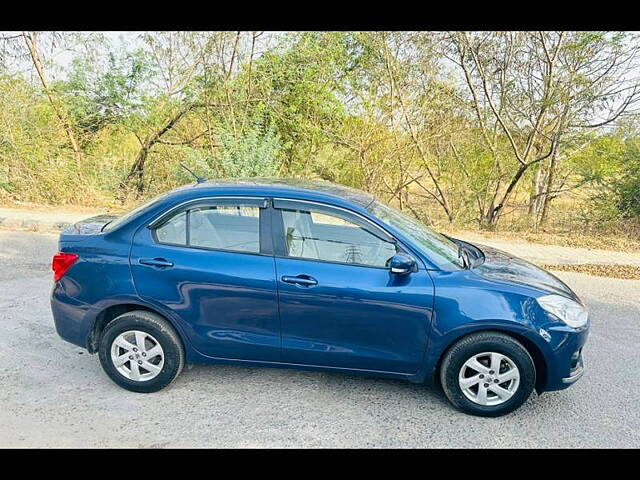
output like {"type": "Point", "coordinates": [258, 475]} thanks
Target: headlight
{"type": "Point", "coordinates": [567, 310]}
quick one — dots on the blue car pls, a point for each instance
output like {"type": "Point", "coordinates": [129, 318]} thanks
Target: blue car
{"type": "Point", "coordinates": [311, 275]}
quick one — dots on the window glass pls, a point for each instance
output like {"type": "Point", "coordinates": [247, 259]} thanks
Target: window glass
{"type": "Point", "coordinates": [440, 249]}
{"type": "Point", "coordinates": [174, 231]}
{"type": "Point", "coordinates": [131, 214]}
{"type": "Point", "coordinates": [225, 228]}
{"type": "Point", "coordinates": [331, 237]}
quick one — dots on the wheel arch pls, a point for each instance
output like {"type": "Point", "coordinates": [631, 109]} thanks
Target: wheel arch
{"type": "Point", "coordinates": [532, 348]}
{"type": "Point", "coordinates": [111, 312]}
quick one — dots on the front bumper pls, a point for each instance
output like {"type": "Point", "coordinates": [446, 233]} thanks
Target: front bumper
{"type": "Point", "coordinates": [565, 362]}
{"type": "Point", "coordinates": [577, 368]}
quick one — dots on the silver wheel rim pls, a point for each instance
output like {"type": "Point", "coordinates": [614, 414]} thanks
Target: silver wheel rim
{"type": "Point", "coordinates": [137, 355]}
{"type": "Point", "coordinates": [489, 378]}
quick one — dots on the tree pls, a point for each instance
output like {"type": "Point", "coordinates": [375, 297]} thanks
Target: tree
{"type": "Point", "coordinates": [538, 90]}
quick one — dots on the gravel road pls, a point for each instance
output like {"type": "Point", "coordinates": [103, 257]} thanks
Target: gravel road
{"type": "Point", "coordinates": [53, 394]}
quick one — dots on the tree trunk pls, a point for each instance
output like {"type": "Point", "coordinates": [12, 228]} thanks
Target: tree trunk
{"type": "Point", "coordinates": [137, 169]}
{"type": "Point", "coordinates": [30, 40]}
{"type": "Point", "coordinates": [547, 197]}
{"type": "Point", "coordinates": [537, 187]}
{"type": "Point", "coordinates": [493, 214]}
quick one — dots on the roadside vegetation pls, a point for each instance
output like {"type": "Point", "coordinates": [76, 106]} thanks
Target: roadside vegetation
{"type": "Point", "coordinates": [624, 272]}
{"type": "Point", "coordinates": [534, 133]}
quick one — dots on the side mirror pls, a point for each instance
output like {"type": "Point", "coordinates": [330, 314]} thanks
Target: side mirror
{"type": "Point", "coordinates": [401, 264]}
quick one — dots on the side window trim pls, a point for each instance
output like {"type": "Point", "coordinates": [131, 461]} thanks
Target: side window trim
{"type": "Point", "coordinates": [264, 223]}
{"type": "Point", "coordinates": [265, 229]}
{"type": "Point", "coordinates": [277, 232]}
{"type": "Point", "coordinates": [187, 226]}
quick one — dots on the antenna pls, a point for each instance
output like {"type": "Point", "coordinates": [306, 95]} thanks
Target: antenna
{"type": "Point", "coordinates": [198, 179]}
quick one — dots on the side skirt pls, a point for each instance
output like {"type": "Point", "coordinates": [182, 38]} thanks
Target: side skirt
{"type": "Point", "coordinates": [297, 366]}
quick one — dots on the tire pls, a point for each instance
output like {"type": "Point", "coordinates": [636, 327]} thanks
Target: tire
{"type": "Point", "coordinates": [158, 368]}
{"type": "Point", "coordinates": [507, 353]}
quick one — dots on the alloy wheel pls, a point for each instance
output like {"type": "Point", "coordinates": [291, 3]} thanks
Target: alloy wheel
{"type": "Point", "coordinates": [137, 355]}
{"type": "Point", "coordinates": [489, 378]}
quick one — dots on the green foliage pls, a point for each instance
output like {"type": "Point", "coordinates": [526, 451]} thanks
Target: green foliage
{"type": "Point", "coordinates": [602, 160]}
{"type": "Point", "coordinates": [611, 165]}
{"type": "Point", "coordinates": [628, 185]}
{"type": "Point", "coordinates": [254, 154]}
{"type": "Point", "coordinates": [100, 94]}
{"type": "Point", "coordinates": [386, 112]}
{"type": "Point", "coordinates": [302, 81]}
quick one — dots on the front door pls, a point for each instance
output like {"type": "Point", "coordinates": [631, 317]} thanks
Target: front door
{"type": "Point", "coordinates": [340, 306]}
{"type": "Point", "coordinates": [209, 263]}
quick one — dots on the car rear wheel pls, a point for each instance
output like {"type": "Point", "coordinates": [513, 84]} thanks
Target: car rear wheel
{"type": "Point", "coordinates": [140, 351]}
{"type": "Point", "coordinates": [488, 374]}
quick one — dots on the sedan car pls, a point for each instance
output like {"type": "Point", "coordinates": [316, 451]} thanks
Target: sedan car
{"type": "Point", "coordinates": [311, 275]}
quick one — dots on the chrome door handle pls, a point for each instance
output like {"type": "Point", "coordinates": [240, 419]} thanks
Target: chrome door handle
{"type": "Point", "coordinates": [156, 262]}
{"type": "Point", "coordinates": [303, 280]}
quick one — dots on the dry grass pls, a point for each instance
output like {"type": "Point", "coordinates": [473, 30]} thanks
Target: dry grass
{"type": "Point", "coordinates": [571, 223]}
{"type": "Point", "coordinates": [65, 208]}
{"type": "Point", "coordinates": [620, 242]}
{"type": "Point", "coordinates": [626, 272]}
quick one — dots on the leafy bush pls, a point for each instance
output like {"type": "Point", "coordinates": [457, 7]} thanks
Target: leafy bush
{"type": "Point", "coordinates": [255, 153]}
{"type": "Point", "coordinates": [628, 186]}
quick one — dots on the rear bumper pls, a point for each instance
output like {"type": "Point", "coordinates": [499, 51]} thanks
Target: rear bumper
{"type": "Point", "coordinates": [69, 317]}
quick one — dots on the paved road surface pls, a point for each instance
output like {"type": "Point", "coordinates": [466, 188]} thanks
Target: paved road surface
{"type": "Point", "coordinates": [54, 394]}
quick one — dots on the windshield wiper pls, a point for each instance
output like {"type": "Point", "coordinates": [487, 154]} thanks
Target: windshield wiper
{"type": "Point", "coordinates": [464, 256]}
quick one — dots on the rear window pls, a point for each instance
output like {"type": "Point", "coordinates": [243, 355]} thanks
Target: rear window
{"type": "Point", "coordinates": [234, 228]}
{"type": "Point", "coordinates": [124, 218]}
{"type": "Point", "coordinates": [174, 231]}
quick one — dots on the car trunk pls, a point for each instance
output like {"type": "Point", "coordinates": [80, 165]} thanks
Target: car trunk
{"type": "Point", "coordinates": [88, 226]}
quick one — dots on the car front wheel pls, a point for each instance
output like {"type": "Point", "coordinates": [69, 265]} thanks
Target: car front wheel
{"type": "Point", "coordinates": [140, 351]}
{"type": "Point", "coordinates": [487, 374]}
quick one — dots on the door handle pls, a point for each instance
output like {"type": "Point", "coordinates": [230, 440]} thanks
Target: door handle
{"type": "Point", "coordinates": [303, 280]}
{"type": "Point", "coordinates": [156, 262]}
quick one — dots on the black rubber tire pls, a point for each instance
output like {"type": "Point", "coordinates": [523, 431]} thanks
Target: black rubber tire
{"type": "Point", "coordinates": [162, 331]}
{"type": "Point", "coordinates": [480, 342]}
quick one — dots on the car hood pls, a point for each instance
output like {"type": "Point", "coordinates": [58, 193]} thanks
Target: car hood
{"type": "Point", "coordinates": [503, 266]}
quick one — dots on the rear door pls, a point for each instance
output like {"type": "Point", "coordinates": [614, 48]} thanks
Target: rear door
{"type": "Point", "coordinates": [340, 305]}
{"type": "Point", "coordinates": [211, 263]}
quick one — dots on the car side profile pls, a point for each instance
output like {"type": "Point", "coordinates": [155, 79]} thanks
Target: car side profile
{"type": "Point", "coordinates": [311, 275]}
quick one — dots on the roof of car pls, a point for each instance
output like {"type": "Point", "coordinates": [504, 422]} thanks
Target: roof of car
{"type": "Point", "coordinates": [293, 185]}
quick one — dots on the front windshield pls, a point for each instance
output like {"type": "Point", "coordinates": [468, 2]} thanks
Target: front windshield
{"type": "Point", "coordinates": [442, 251]}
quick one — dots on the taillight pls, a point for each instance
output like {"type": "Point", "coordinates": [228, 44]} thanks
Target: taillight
{"type": "Point", "coordinates": [61, 263]}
